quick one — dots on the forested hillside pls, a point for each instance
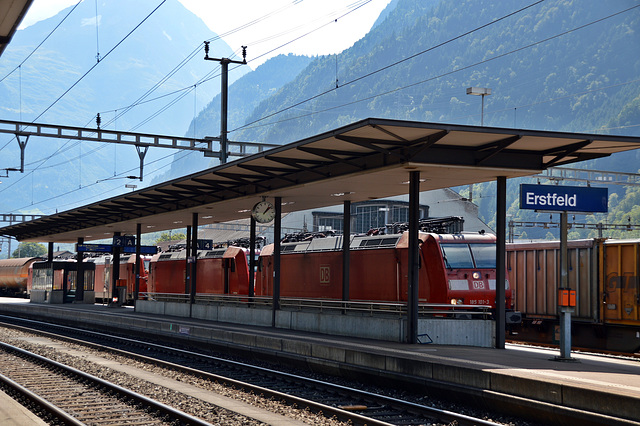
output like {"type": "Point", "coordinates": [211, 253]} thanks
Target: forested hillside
{"type": "Point", "coordinates": [561, 65]}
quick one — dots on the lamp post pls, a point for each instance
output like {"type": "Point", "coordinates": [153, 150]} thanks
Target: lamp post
{"type": "Point", "coordinates": [479, 91]}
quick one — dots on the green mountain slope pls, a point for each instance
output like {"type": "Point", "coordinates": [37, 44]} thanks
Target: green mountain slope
{"type": "Point", "coordinates": [550, 67]}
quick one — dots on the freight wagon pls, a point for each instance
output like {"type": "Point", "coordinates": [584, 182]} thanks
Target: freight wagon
{"type": "Point", "coordinates": [604, 274]}
{"type": "Point", "coordinates": [14, 274]}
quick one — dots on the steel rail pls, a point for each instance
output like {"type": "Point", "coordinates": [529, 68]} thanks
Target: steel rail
{"type": "Point", "coordinates": [15, 389]}
{"type": "Point", "coordinates": [340, 413]}
{"type": "Point", "coordinates": [140, 399]}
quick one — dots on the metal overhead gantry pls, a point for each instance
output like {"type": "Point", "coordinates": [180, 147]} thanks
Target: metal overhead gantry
{"type": "Point", "coordinates": [558, 174]}
{"type": "Point", "coordinates": [142, 141]}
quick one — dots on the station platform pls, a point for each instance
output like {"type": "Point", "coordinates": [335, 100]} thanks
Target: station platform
{"type": "Point", "coordinates": [14, 414]}
{"type": "Point", "coordinates": [518, 379]}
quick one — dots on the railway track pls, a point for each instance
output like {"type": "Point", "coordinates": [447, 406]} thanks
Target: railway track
{"type": "Point", "coordinates": [594, 351]}
{"type": "Point", "coordinates": [63, 394]}
{"type": "Point", "coordinates": [332, 400]}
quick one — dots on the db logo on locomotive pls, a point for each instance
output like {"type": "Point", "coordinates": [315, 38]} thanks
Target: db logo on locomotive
{"type": "Point", "coordinates": [325, 274]}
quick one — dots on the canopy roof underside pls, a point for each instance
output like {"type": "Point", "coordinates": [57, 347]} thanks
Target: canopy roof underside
{"type": "Point", "coordinates": [366, 160]}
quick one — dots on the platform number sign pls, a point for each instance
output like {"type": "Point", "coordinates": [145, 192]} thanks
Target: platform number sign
{"type": "Point", "coordinates": [325, 274]}
{"type": "Point", "coordinates": [205, 244]}
{"type": "Point", "coordinates": [124, 241]}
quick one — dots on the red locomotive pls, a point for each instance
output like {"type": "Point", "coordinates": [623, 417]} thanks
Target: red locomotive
{"type": "Point", "coordinates": [454, 268]}
{"type": "Point", "coordinates": [219, 271]}
{"type": "Point", "coordinates": [103, 276]}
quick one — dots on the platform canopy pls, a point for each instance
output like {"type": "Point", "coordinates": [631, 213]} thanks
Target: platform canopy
{"type": "Point", "coordinates": [366, 160]}
{"type": "Point", "coordinates": [11, 14]}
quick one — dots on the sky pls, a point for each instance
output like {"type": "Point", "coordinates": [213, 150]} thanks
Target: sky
{"type": "Point", "coordinates": [278, 21]}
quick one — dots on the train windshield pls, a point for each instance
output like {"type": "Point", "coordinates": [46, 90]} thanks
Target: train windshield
{"type": "Point", "coordinates": [458, 256]}
{"type": "Point", "coordinates": [484, 255]}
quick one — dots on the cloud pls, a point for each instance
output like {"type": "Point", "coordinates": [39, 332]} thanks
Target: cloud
{"type": "Point", "coordinates": [90, 21]}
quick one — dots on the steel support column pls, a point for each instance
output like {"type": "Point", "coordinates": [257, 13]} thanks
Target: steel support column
{"type": "Point", "coordinates": [115, 273]}
{"type": "Point", "coordinates": [413, 258]}
{"type": "Point", "coordinates": [136, 287]}
{"type": "Point", "coordinates": [194, 257]}
{"type": "Point", "coordinates": [501, 247]}
{"type": "Point", "coordinates": [564, 311]}
{"type": "Point", "coordinates": [80, 276]}
{"type": "Point", "coordinates": [187, 266]}
{"type": "Point", "coordinates": [252, 256]}
{"type": "Point", "coordinates": [346, 251]}
{"type": "Point", "coordinates": [277, 229]}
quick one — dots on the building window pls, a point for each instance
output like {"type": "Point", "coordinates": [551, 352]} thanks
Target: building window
{"type": "Point", "coordinates": [370, 217]}
{"type": "Point", "coordinates": [329, 223]}
{"type": "Point", "coordinates": [400, 214]}
{"type": "Point", "coordinates": [366, 216]}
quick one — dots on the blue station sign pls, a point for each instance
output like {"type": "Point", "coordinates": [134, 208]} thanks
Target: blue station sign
{"type": "Point", "coordinates": [564, 198]}
{"type": "Point", "coordinates": [95, 248]}
{"type": "Point", "coordinates": [108, 248]}
{"type": "Point", "coordinates": [143, 249]}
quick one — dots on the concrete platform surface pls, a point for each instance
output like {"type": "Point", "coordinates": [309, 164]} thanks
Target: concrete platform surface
{"type": "Point", "coordinates": [610, 386]}
{"type": "Point", "coordinates": [14, 414]}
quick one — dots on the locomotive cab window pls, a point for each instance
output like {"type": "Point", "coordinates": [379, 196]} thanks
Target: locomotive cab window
{"type": "Point", "coordinates": [484, 255]}
{"type": "Point", "coordinates": [457, 256]}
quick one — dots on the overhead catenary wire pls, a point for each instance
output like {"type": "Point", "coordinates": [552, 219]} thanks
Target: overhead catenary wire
{"type": "Point", "coordinates": [123, 175]}
{"type": "Point", "coordinates": [457, 70]}
{"type": "Point", "coordinates": [404, 87]}
{"type": "Point", "coordinates": [86, 73]}
{"type": "Point", "coordinates": [214, 73]}
{"type": "Point", "coordinates": [392, 64]}
{"type": "Point", "coordinates": [42, 42]}
{"type": "Point", "coordinates": [202, 80]}
{"type": "Point", "coordinates": [98, 63]}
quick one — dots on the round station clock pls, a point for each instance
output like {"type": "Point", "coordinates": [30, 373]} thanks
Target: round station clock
{"type": "Point", "coordinates": [263, 212]}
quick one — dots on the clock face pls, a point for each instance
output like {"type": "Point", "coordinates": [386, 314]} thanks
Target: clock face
{"type": "Point", "coordinates": [263, 212]}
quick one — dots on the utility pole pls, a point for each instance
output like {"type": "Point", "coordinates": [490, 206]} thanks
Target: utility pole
{"type": "Point", "coordinates": [224, 63]}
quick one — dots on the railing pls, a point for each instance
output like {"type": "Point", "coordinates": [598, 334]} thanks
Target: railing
{"type": "Point", "coordinates": [371, 308]}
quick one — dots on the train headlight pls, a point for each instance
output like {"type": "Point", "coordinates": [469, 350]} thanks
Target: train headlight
{"type": "Point", "coordinates": [476, 275]}
{"type": "Point", "coordinates": [457, 302]}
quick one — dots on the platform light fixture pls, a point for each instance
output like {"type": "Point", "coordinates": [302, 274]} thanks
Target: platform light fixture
{"type": "Point", "coordinates": [479, 91]}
